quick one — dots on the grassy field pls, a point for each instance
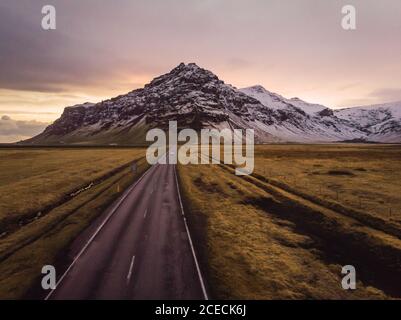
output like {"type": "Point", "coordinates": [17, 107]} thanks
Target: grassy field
{"type": "Point", "coordinates": [33, 179]}
{"type": "Point", "coordinates": [282, 233]}
{"type": "Point", "coordinates": [259, 240]}
{"type": "Point", "coordinates": [361, 177]}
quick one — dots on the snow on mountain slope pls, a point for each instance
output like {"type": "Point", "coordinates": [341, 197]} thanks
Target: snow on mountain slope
{"type": "Point", "coordinates": [309, 108]}
{"type": "Point", "coordinates": [196, 98]}
{"type": "Point", "coordinates": [267, 98]}
{"type": "Point", "coordinates": [382, 122]}
{"type": "Point", "coordinates": [188, 94]}
{"type": "Point", "coordinates": [276, 101]}
{"type": "Point", "coordinates": [371, 115]}
{"type": "Point", "coordinates": [300, 121]}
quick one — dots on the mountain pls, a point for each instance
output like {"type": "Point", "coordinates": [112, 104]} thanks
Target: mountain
{"type": "Point", "coordinates": [277, 102]}
{"type": "Point", "coordinates": [193, 96]}
{"type": "Point", "coordinates": [197, 98]}
{"type": "Point", "coordinates": [299, 121]}
{"type": "Point", "coordinates": [307, 122]}
{"type": "Point", "coordinates": [381, 122]}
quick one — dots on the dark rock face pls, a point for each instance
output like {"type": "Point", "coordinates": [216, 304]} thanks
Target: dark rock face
{"type": "Point", "coordinates": [196, 98]}
{"type": "Point", "coordinates": [326, 113]}
{"type": "Point", "coordinates": [193, 96]}
{"type": "Point", "coordinates": [71, 119]}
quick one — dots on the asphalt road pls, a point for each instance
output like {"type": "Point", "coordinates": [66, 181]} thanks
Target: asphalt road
{"type": "Point", "coordinates": [139, 249]}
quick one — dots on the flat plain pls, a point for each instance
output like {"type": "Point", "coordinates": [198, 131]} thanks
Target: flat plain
{"type": "Point", "coordinates": [282, 233]}
{"type": "Point", "coordinates": [362, 177]}
{"type": "Point", "coordinates": [285, 233]}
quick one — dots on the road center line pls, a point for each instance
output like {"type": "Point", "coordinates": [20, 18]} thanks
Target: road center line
{"type": "Point", "coordinates": [120, 201]}
{"type": "Point", "coordinates": [130, 269]}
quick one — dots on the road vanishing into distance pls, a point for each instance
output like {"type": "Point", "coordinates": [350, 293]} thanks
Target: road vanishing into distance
{"type": "Point", "coordinates": [140, 248]}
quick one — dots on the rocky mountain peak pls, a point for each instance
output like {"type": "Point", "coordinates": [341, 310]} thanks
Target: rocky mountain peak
{"type": "Point", "coordinates": [257, 88]}
{"type": "Point", "coordinates": [196, 98]}
{"type": "Point", "coordinates": [189, 73]}
{"type": "Point", "coordinates": [192, 96]}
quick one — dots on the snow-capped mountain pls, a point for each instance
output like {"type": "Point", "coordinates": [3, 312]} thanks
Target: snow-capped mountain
{"type": "Point", "coordinates": [192, 96]}
{"type": "Point", "coordinates": [277, 102]}
{"type": "Point", "coordinates": [300, 121]}
{"type": "Point", "coordinates": [197, 98]}
{"type": "Point", "coordinates": [381, 122]}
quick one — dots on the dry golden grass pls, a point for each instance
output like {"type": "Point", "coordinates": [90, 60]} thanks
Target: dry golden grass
{"type": "Point", "coordinates": [31, 179]}
{"type": "Point", "coordinates": [259, 241]}
{"type": "Point", "coordinates": [361, 177]}
{"type": "Point", "coordinates": [256, 244]}
{"type": "Point", "coordinates": [25, 250]}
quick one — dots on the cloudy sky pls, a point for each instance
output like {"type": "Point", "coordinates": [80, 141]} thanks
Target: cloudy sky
{"type": "Point", "coordinates": [104, 48]}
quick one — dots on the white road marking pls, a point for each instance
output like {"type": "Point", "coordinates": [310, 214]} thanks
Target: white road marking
{"type": "Point", "coordinates": [146, 211]}
{"type": "Point", "coordinates": [190, 239]}
{"type": "Point", "coordinates": [130, 269]}
{"type": "Point", "coordinates": [100, 228]}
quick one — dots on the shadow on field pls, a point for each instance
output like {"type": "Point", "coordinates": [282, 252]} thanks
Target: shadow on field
{"type": "Point", "coordinates": [376, 263]}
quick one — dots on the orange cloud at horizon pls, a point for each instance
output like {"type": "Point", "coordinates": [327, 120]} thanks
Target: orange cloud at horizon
{"type": "Point", "coordinates": [291, 48]}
